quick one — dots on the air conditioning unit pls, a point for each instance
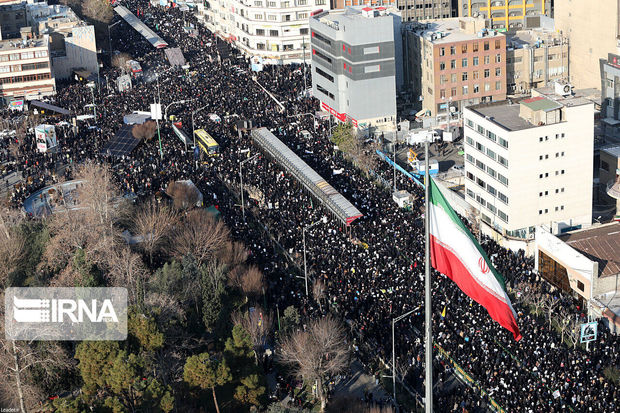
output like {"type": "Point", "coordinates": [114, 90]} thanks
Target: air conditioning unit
{"type": "Point", "coordinates": [563, 89]}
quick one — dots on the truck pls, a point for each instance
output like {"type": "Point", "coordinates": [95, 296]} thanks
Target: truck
{"type": "Point", "coordinates": [418, 166]}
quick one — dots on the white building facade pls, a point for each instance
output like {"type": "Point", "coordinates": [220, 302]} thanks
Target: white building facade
{"type": "Point", "coordinates": [530, 163]}
{"type": "Point", "coordinates": [275, 30]}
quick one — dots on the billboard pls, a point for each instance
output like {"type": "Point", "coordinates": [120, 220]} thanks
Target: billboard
{"type": "Point", "coordinates": [17, 104]}
{"type": "Point", "coordinates": [588, 332]}
{"type": "Point", "coordinates": [46, 137]}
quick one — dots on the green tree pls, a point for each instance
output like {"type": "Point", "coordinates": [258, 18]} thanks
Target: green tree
{"type": "Point", "coordinates": [290, 318]}
{"type": "Point", "coordinates": [95, 359]}
{"type": "Point", "coordinates": [238, 348]}
{"type": "Point", "coordinates": [205, 373]}
{"type": "Point", "coordinates": [251, 390]}
{"type": "Point", "coordinates": [213, 301]}
{"type": "Point", "coordinates": [343, 136]}
{"type": "Point", "coordinates": [90, 275]}
{"type": "Point", "coordinates": [145, 330]}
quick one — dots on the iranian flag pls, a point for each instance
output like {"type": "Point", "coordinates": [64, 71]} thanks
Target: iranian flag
{"type": "Point", "coordinates": [457, 254]}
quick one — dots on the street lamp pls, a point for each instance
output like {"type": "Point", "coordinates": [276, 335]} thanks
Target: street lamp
{"type": "Point", "coordinates": [193, 128]}
{"type": "Point", "coordinates": [241, 181]}
{"type": "Point", "coordinates": [110, 37]}
{"type": "Point", "coordinates": [307, 227]}
{"type": "Point", "coordinates": [394, 321]}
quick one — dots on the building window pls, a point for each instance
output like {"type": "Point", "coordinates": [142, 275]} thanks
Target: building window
{"type": "Point", "coordinates": [453, 78]}
{"type": "Point", "coordinates": [272, 17]}
{"type": "Point", "coordinates": [498, 58]}
{"type": "Point", "coordinates": [464, 48]}
{"type": "Point", "coordinates": [498, 44]}
{"type": "Point", "coordinates": [503, 161]}
{"type": "Point", "coordinates": [442, 65]}
{"type": "Point", "coordinates": [371, 50]}
{"type": "Point", "coordinates": [453, 92]}
{"type": "Point", "coordinates": [302, 16]}
{"type": "Point", "coordinates": [452, 50]}
{"type": "Point", "coordinates": [260, 32]}
{"type": "Point", "coordinates": [273, 33]}
{"type": "Point", "coordinates": [475, 74]}
{"type": "Point", "coordinates": [372, 69]}
{"type": "Point", "coordinates": [487, 59]}
{"type": "Point", "coordinates": [604, 166]}
{"type": "Point", "coordinates": [498, 71]}
{"type": "Point", "coordinates": [503, 142]}
{"type": "Point", "coordinates": [464, 77]}
{"type": "Point", "coordinates": [443, 79]}
{"type": "Point", "coordinates": [442, 51]}
{"type": "Point", "coordinates": [491, 172]}
{"type": "Point", "coordinates": [502, 179]}
{"type": "Point", "coordinates": [464, 62]}
{"type": "Point", "coordinates": [442, 94]}
{"type": "Point", "coordinates": [325, 75]}
{"type": "Point", "coordinates": [580, 286]}
{"type": "Point", "coordinates": [491, 154]}
{"type": "Point", "coordinates": [303, 31]}
{"type": "Point", "coordinates": [452, 64]}
{"type": "Point", "coordinates": [324, 91]}
{"type": "Point", "coordinates": [321, 2]}
{"type": "Point", "coordinates": [474, 47]}
{"type": "Point", "coordinates": [498, 85]}
{"type": "Point", "coordinates": [258, 17]}
{"type": "Point", "coordinates": [487, 73]}
{"type": "Point", "coordinates": [552, 271]}
{"type": "Point", "coordinates": [491, 136]}
{"type": "Point", "coordinates": [476, 61]}
{"type": "Point", "coordinates": [486, 45]}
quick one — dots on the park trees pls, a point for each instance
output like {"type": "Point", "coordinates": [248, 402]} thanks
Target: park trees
{"type": "Point", "coordinates": [206, 373]}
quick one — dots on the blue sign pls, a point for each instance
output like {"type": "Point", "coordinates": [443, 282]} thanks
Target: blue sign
{"type": "Point", "coordinates": [588, 332]}
{"type": "Point", "coordinates": [443, 106]}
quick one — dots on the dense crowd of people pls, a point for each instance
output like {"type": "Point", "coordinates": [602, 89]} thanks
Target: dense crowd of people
{"type": "Point", "coordinates": [373, 270]}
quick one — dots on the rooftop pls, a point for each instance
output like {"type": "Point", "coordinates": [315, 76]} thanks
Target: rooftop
{"type": "Point", "coordinates": [504, 113]}
{"type": "Point", "coordinates": [600, 244]}
{"type": "Point", "coordinates": [613, 150]}
{"type": "Point", "coordinates": [533, 38]}
{"type": "Point", "coordinates": [352, 13]}
{"type": "Point", "coordinates": [450, 30]}
{"type": "Point", "coordinates": [540, 103]}
{"type": "Point", "coordinates": [18, 44]}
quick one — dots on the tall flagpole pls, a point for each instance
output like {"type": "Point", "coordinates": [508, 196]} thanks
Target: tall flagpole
{"type": "Point", "coordinates": [427, 289]}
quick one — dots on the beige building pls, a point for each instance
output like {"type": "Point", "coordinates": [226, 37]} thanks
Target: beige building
{"type": "Point", "coordinates": [506, 14]}
{"type": "Point", "coordinates": [535, 58]}
{"type": "Point", "coordinates": [458, 63]}
{"type": "Point", "coordinates": [592, 28]}
{"type": "Point", "coordinates": [25, 70]}
{"type": "Point", "coordinates": [410, 10]}
{"type": "Point", "coordinates": [529, 162]}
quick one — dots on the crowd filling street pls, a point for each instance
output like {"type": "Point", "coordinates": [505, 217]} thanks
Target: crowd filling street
{"type": "Point", "coordinates": [373, 270]}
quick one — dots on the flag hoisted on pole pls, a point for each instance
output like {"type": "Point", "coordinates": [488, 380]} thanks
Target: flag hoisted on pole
{"type": "Point", "coordinates": [428, 310]}
{"type": "Point", "coordinates": [456, 254]}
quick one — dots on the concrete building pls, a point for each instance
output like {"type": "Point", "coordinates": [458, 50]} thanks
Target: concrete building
{"type": "Point", "coordinates": [506, 14]}
{"type": "Point", "coordinates": [535, 58]}
{"type": "Point", "coordinates": [592, 29]}
{"type": "Point", "coordinates": [72, 41]}
{"type": "Point", "coordinates": [275, 30]}
{"type": "Point", "coordinates": [610, 96]}
{"type": "Point", "coordinates": [529, 162]}
{"type": "Point", "coordinates": [584, 264]}
{"type": "Point", "coordinates": [410, 10]}
{"type": "Point", "coordinates": [460, 63]}
{"type": "Point", "coordinates": [357, 64]}
{"type": "Point", "coordinates": [25, 69]}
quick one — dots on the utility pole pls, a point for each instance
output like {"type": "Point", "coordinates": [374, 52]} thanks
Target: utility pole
{"type": "Point", "coordinates": [304, 53]}
{"type": "Point", "coordinates": [394, 321]}
{"type": "Point", "coordinates": [394, 148]}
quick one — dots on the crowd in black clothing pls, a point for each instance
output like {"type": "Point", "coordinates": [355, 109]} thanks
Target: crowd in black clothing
{"type": "Point", "coordinates": [368, 282]}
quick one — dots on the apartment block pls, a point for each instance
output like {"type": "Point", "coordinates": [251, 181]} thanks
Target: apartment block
{"type": "Point", "coordinates": [410, 10]}
{"type": "Point", "coordinates": [460, 63]}
{"type": "Point", "coordinates": [25, 69]}
{"type": "Point", "coordinates": [535, 58]}
{"type": "Point", "coordinates": [357, 64]}
{"type": "Point", "coordinates": [275, 30]}
{"type": "Point", "coordinates": [506, 14]}
{"type": "Point", "coordinates": [610, 96]}
{"type": "Point", "coordinates": [529, 162]}
{"type": "Point", "coordinates": [593, 30]}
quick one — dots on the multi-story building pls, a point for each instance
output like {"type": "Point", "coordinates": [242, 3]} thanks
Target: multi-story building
{"type": "Point", "coordinates": [593, 30]}
{"type": "Point", "coordinates": [357, 64]}
{"type": "Point", "coordinates": [610, 96]}
{"type": "Point", "coordinates": [506, 14]}
{"type": "Point", "coordinates": [275, 30]}
{"type": "Point", "coordinates": [410, 10]}
{"type": "Point", "coordinates": [72, 41]}
{"type": "Point", "coordinates": [12, 18]}
{"type": "Point", "coordinates": [535, 58]}
{"type": "Point", "coordinates": [529, 162]}
{"type": "Point", "coordinates": [461, 63]}
{"type": "Point", "coordinates": [25, 70]}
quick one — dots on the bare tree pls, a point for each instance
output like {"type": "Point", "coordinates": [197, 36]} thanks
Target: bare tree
{"type": "Point", "coordinates": [550, 305]}
{"type": "Point", "coordinates": [125, 269]}
{"type": "Point", "coordinates": [233, 254]}
{"type": "Point", "coordinates": [183, 194]}
{"type": "Point", "coordinates": [199, 235]}
{"type": "Point", "coordinates": [120, 60]}
{"type": "Point", "coordinates": [98, 10]}
{"type": "Point", "coordinates": [12, 244]}
{"type": "Point", "coordinates": [317, 353]}
{"type": "Point", "coordinates": [252, 282]}
{"type": "Point", "coordinates": [258, 324]}
{"type": "Point", "coordinates": [564, 322]}
{"type": "Point", "coordinates": [144, 131]}
{"type": "Point", "coordinates": [97, 193]}
{"type": "Point", "coordinates": [154, 224]}
{"type": "Point", "coordinates": [318, 290]}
